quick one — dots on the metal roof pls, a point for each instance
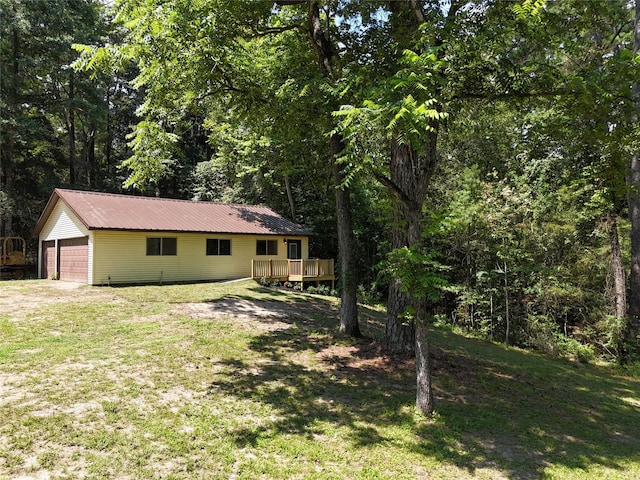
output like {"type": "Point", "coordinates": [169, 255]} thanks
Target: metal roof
{"type": "Point", "coordinates": [107, 211]}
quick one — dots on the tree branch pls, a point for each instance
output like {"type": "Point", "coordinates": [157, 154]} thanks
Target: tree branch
{"type": "Point", "coordinates": [417, 9]}
{"type": "Point", "coordinates": [326, 53]}
{"type": "Point", "coordinates": [283, 3]}
{"type": "Point", "coordinates": [276, 30]}
{"type": "Point", "coordinates": [393, 188]}
{"type": "Point", "coordinates": [514, 95]}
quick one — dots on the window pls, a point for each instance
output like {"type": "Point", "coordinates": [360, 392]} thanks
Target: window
{"type": "Point", "coordinates": [266, 247]}
{"type": "Point", "coordinates": [162, 246]}
{"type": "Point", "coordinates": [218, 246]}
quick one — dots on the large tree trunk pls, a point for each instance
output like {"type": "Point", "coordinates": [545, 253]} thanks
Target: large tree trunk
{"type": "Point", "coordinates": [399, 333]}
{"type": "Point", "coordinates": [632, 331]}
{"type": "Point", "coordinates": [348, 280]}
{"type": "Point", "coordinates": [631, 347]}
{"type": "Point", "coordinates": [327, 56]}
{"type": "Point", "coordinates": [408, 184]}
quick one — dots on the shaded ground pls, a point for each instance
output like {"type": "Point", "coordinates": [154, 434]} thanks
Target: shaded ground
{"type": "Point", "coordinates": [500, 413]}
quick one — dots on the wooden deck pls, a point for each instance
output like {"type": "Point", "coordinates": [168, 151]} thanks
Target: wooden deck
{"type": "Point", "coordinates": [302, 271]}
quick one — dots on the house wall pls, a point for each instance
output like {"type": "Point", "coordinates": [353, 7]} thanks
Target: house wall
{"type": "Point", "coordinates": [120, 257]}
{"type": "Point", "coordinates": [64, 224]}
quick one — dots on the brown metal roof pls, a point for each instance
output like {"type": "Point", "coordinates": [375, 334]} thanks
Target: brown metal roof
{"type": "Point", "coordinates": [106, 211]}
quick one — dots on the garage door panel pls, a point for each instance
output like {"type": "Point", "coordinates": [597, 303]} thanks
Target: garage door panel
{"type": "Point", "coordinates": [48, 258]}
{"type": "Point", "coordinates": [74, 254]}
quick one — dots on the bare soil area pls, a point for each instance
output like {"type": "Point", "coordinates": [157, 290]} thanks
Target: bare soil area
{"type": "Point", "coordinates": [17, 299]}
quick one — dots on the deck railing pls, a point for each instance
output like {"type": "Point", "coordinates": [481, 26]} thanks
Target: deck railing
{"type": "Point", "coordinates": [293, 270]}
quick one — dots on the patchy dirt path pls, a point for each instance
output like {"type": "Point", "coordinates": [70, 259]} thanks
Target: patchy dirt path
{"type": "Point", "coordinates": [17, 299]}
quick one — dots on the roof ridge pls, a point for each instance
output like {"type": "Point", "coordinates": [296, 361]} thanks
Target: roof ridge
{"type": "Point", "coordinates": [147, 197]}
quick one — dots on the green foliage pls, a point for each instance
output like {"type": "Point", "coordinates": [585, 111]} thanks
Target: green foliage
{"type": "Point", "coordinates": [401, 109]}
{"type": "Point", "coordinates": [43, 100]}
{"type": "Point", "coordinates": [419, 271]}
{"type": "Point", "coordinates": [369, 296]}
{"type": "Point", "coordinates": [154, 151]}
{"type": "Point", "coordinates": [529, 8]}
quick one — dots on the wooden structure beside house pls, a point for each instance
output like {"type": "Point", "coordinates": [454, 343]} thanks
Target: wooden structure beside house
{"type": "Point", "coordinates": [106, 239]}
{"type": "Point", "coordinates": [301, 270]}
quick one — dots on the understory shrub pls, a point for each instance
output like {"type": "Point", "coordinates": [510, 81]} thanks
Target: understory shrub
{"type": "Point", "coordinates": [544, 336]}
{"type": "Point", "coordinates": [369, 296]}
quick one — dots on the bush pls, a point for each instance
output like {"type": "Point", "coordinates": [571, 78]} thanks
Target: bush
{"type": "Point", "coordinates": [323, 290]}
{"type": "Point", "coordinates": [545, 337]}
{"type": "Point", "coordinates": [368, 296]}
{"type": "Point", "coordinates": [579, 351]}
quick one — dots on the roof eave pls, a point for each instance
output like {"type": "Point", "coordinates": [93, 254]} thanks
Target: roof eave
{"type": "Point", "coordinates": [44, 216]}
{"type": "Point", "coordinates": [53, 200]}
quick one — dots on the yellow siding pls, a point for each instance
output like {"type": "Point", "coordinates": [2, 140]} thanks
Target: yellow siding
{"type": "Point", "coordinates": [120, 257]}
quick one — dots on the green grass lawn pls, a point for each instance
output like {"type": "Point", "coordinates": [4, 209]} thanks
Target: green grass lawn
{"type": "Point", "coordinates": [236, 381]}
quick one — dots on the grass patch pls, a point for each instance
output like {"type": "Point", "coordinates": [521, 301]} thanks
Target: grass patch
{"type": "Point", "coordinates": [240, 381]}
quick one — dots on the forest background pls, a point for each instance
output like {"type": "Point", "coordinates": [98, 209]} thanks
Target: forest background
{"type": "Point", "coordinates": [471, 163]}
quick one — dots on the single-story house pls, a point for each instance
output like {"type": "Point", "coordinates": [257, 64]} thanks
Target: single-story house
{"type": "Point", "coordinates": [105, 239]}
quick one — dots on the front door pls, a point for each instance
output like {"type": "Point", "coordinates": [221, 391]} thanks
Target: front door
{"type": "Point", "coordinates": [294, 249]}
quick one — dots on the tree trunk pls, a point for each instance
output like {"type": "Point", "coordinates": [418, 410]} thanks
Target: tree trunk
{"type": "Point", "coordinates": [109, 140]}
{"type": "Point", "coordinates": [631, 348]}
{"type": "Point", "coordinates": [408, 184]}
{"type": "Point", "coordinates": [287, 186]}
{"type": "Point", "coordinates": [424, 392]}
{"type": "Point", "coordinates": [617, 269]}
{"type": "Point", "coordinates": [506, 305]}
{"type": "Point", "coordinates": [92, 168]}
{"type": "Point", "coordinates": [399, 333]}
{"type": "Point", "coordinates": [7, 140]}
{"type": "Point", "coordinates": [327, 56]}
{"type": "Point", "coordinates": [71, 129]}
{"type": "Point", "coordinates": [348, 280]}
{"type": "Point", "coordinates": [9, 191]}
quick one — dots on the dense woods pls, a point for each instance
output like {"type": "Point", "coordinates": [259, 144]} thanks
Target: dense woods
{"type": "Point", "coordinates": [470, 163]}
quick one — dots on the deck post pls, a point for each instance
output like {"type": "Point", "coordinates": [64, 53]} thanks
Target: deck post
{"type": "Point", "coordinates": [253, 268]}
{"type": "Point", "coordinates": [270, 268]}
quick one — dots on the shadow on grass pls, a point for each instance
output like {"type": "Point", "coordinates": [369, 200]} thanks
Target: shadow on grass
{"type": "Point", "coordinates": [507, 410]}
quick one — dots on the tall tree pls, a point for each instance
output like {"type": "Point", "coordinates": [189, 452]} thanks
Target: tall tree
{"type": "Point", "coordinates": [632, 330]}
{"type": "Point", "coordinates": [329, 61]}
